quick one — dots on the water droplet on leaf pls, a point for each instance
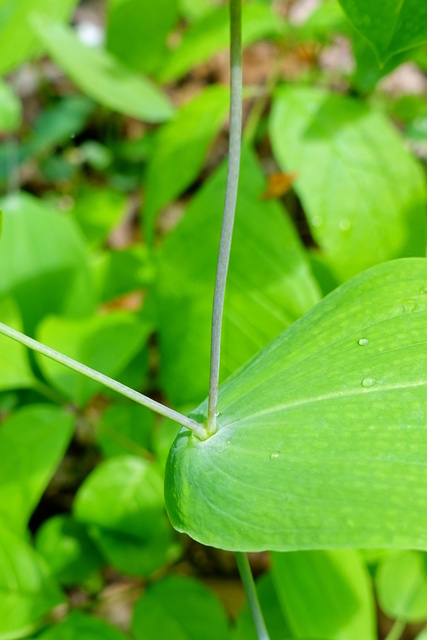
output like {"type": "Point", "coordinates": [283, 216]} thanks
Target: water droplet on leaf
{"type": "Point", "coordinates": [409, 306]}
{"type": "Point", "coordinates": [317, 221]}
{"type": "Point", "coordinates": [345, 225]}
{"type": "Point", "coordinates": [275, 455]}
{"type": "Point", "coordinates": [368, 382]}
{"type": "Point", "coordinates": [363, 342]}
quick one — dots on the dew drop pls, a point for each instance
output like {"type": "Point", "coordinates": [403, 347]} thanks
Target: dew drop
{"type": "Point", "coordinates": [423, 291]}
{"type": "Point", "coordinates": [275, 455]}
{"type": "Point", "coordinates": [363, 342]}
{"type": "Point", "coordinates": [368, 382]}
{"type": "Point", "coordinates": [409, 306]}
{"type": "Point", "coordinates": [345, 225]}
{"type": "Point", "coordinates": [317, 221]}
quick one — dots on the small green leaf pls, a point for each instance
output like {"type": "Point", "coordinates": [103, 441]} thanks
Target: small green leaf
{"type": "Point", "coordinates": [390, 26]}
{"type": "Point", "coordinates": [100, 76]}
{"type": "Point", "coordinates": [15, 370]}
{"type": "Point", "coordinates": [32, 441]}
{"type": "Point", "coordinates": [106, 343]}
{"type": "Point", "coordinates": [17, 40]}
{"type": "Point", "coordinates": [27, 591]}
{"type": "Point", "coordinates": [364, 195]}
{"type": "Point", "coordinates": [137, 31]}
{"type": "Point", "coordinates": [321, 436]}
{"type": "Point", "coordinates": [10, 108]}
{"type": "Point", "coordinates": [68, 550]}
{"type": "Point", "coordinates": [401, 583]}
{"type": "Point", "coordinates": [180, 150]}
{"type": "Point", "coordinates": [180, 608]}
{"type": "Point", "coordinates": [43, 261]}
{"type": "Point", "coordinates": [80, 626]}
{"type": "Point", "coordinates": [125, 429]}
{"type": "Point", "coordinates": [325, 594]}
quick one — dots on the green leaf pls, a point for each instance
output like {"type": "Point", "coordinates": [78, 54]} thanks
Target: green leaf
{"type": "Point", "coordinates": [27, 591]}
{"type": "Point", "coordinates": [122, 495]}
{"type": "Point", "coordinates": [325, 594]}
{"type": "Point", "coordinates": [137, 31]}
{"type": "Point", "coordinates": [80, 626]}
{"type": "Point", "coordinates": [98, 212]}
{"type": "Point", "coordinates": [181, 148]}
{"type": "Point", "coordinates": [181, 608]}
{"type": "Point", "coordinates": [321, 436]}
{"type": "Point", "coordinates": [363, 194]}
{"type": "Point", "coordinates": [121, 272]}
{"type": "Point", "coordinates": [15, 370]}
{"type": "Point", "coordinates": [106, 343]}
{"type": "Point", "coordinates": [17, 40]}
{"type": "Point", "coordinates": [125, 429]}
{"type": "Point", "coordinates": [122, 503]}
{"type": "Point", "coordinates": [401, 583]}
{"type": "Point", "coordinates": [259, 302]}
{"type": "Point", "coordinates": [390, 26]}
{"type": "Point", "coordinates": [32, 441]}
{"type": "Point", "coordinates": [68, 550]}
{"type": "Point", "coordinates": [100, 76]}
{"type": "Point", "coordinates": [10, 108]}
{"type": "Point", "coordinates": [43, 261]}
{"type": "Point", "coordinates": [210, 34]}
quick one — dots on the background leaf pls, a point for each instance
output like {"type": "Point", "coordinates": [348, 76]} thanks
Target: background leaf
{"type": "Point", "coordinates": [390, 26]}
{"type": "Point", "coordinates": [15, 370]}
{"type": "Point", "coordinates": [79, 626]}
{"type": "Point", "coordinates": [401, 582]}
{"type": "Point", "coordinates": [363, 194]}
{"type": "Point", "coordinates": [100, 76]}
{"type": "Point", "coordinates": [32, 441]}
{"type": "Point", "coordinates": [321, 435]}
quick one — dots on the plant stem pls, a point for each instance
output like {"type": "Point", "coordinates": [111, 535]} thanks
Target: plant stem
{"type": "Point", "coordinates": [197, 429]}
{"type": "Point", "coordinates": [251, 595]}
{"type": "Point", "coordinates": [396, 631]}
{"type": "Point", "coordinates": [229, 207]}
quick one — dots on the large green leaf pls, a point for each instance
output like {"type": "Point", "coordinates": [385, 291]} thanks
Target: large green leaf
{"type": "Point", "coordinates": [27, 591]}
{"type": "Point", "coordinates": [86, 341]}
{"type": "Point", "coordinates": [181, 608]}
{"type": "Point", "coordinates": [362, 192]}
{"type": "Point", "coordinates": [180, 150]}
{"type": "Point", "coordinates": [210, 34]}
{"type": "Point", "coordinates": [261, 300]}
{"type": "Point", "coordinates": [102, 77]}
{"type": "Point", "coordinates": [17, 40]}
{"type": "Point", "coordinates": [43, 262]}
{"type": "Point", "coordinates": [325, 594]}
{"type": "Point", "coordinates": [390, 26]}
{"type": "Point", "coordinates": [32, 443]}
{"type": "Point", "coordinates": [15, 370]}
{"type": "Point", "coordinates": [137, 31]}
{"type": "Point", "coordinates": [321, 436]}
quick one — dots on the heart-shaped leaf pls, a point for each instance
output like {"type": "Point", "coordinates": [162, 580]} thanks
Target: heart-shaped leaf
{"type": "Point", "coordinates": [390, 26]}
{"type": "Point", "coordinates": [321, 439]}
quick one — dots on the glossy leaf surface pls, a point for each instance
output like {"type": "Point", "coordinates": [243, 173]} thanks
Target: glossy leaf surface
{"type": "Point", "coordinates": [260, 301]}
{"type": "Point", "coordinates": [321, 436]}
{"type": "Point", "coordinates": [390, 26]}
{"type": "Point", "coordinates": [15, 370]}
{"type": "Point", "coordinates": [28, 592]}
{"type": "Point", "coordinates": [32, 443]}
{"type": "Point", "coordinates": [362, 192]}
{"type": "Point", "coordinates": [100, 76]}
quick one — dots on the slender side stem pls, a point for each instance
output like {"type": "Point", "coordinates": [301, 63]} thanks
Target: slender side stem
{"type": "Point", "coordinates": [396, 631]}
{"type": "Point", "coordinates": [197, 429]}
{"type": "Point", "coordinates": [229, 207]}
{"type": "Point", "coordinates": [251, 595]}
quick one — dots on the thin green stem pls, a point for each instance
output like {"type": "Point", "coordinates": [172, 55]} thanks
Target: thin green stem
{"type": "Point", "coordinates": [396, 631]}
{"type": "Point", "coordinates": [251, 595]}
{"type": "Point", "coordinates": [229, 207]}
{"type": "Point", "coordinates": [197, 429]}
